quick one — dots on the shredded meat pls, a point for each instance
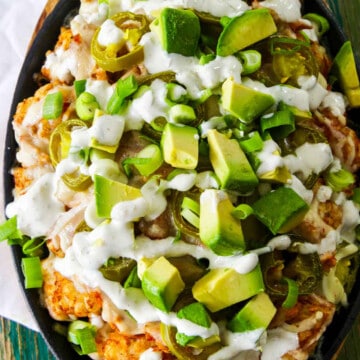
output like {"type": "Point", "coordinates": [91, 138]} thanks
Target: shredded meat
{"type": "Point", "coordinates": [309, 318]}
{"type": "Point", "coordinates": [343, 140]}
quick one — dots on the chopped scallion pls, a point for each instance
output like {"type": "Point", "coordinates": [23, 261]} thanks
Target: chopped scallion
{"type": "Point", "coordinates": [85, 106]}
{"type": "Point", "coordinates": [8, 228]}
{"type": "Point", "coordinates": [190, 217]}
{"type": "Point", "coordinates": [322, 24]}
{"type": "Point", "coordinates": [242, 211]}
{"type": "Point", "coordinates": [292, 294]}
{"type": "Point", "coordinates": [191, 204]}
{"type": "Point", "coordinates": [154, 159]}
{"type": "Point", "coordinates": [339, 180]}
{"type": "Point", "coordinates": [53, 105]}
{"type": "Point", "coordinates": [31, 267]}
{"type": "Point", "coordinates": [123, 89]}
{"type": "Point", "coordinates": [79, 86]}
{"type": "Point", "coordinates": [279, 125]}
{"type": "Point", "coordinates": [251, 61]}
{"type": "Point", "coordinates": [252, 142]}
{"type": "Point", "coordinates": [82, 333]}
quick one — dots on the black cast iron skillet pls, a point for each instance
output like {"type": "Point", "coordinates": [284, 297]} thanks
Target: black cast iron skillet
{"type": "Point", "coordinates": [26, 86]}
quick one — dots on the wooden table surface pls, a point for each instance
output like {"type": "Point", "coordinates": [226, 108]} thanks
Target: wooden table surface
{"type": "Point", "coordinates": [19, 343]}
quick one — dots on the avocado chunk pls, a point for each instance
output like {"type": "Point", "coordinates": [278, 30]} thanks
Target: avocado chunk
{"type": "Point", "coordinates": [196, 313]}
{"type": "Point", "coordinates": [280, 210]}
{"type": "Point", "coordinates": [180, 146]}
{"type": "Point", "coordinates": [179, 31]}
{"type": "Point", "coordinates": [109, 192]}
{"type": "Point", "coordinates": [221, 288]}
{"type": "Point", "coordinates": [162, 284]}
{"type": "Point", "coordinates": [218, 229]}
{"type": "Point", "coordinates": [344, 68]}
{"type": "Point", "coordinates": [243, 102]}
{"type": "Point", "coordinates": [244, 30]}
{"type": "Point", "coordinates": [256, 314]}
{"type": "Point", "coordinates": [230, 163]}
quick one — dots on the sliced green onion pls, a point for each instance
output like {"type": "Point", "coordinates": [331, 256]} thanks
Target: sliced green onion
{"type": "Point", "coordinates": [79, 86]}
{"type": "Point", "coordinates": [8, 228]}
{"type": "Point", "coordinates": [321, 23]}
{"type": "Point", "coordinates": [31, 267]}
{"type": "Point", "coordinates": [133, 279]}
{"type": "Point", "coordinates": [252, 142]}
{"type": "Point", "coordinates": [148, 160]}
{"type": "Point", "coordinates": [33, 247]}
{"type": "Point", "coordinates": [158, 123]}
{"type": "Point", "coordinates": [292, 294]}
{"type": "Point", "coordinates": [191, 204]}
{"type": "Point", "coordinates": [53, 105]}
{"type": "Point", "coordinates": [205, 59]}
{"type": "Point", "coordinates": [190, 217]}
{"type": "Point", "coordinates": [177, 172]}
{"type": "Point", "coordinates": [280, 124]}
{"type": "Point", "coordinates": [83, 334]}
{"type": "Point", "coordinates": [181, 113]}
{"type": "Point", "coordinates": [176, 93]}
{"type": "Point", "coordinates": [85, 106]}
{"type": "Point", "coordinates": [123, 89]}
{"type": "Point", "coordinates": [339, 180]}
{"type": "Point", "coordinates": [251, 61]}
{"type": "Point", "coordinates": [127, 163]}
{"type": "Point", "coordinates": [242, 211]}
{"type": "Point", "coordinates": [277, 42]}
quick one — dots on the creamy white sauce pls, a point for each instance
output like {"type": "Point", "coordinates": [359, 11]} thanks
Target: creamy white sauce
{"type": "Point", "coordinates": [270, 158]}
{"type": "Point", "coordinates": [195, 77]}
{"type": "Point", "coordinates": [40, 219]}
{"type": "Point", "coordinates": [150, 354]}
{"type": "Point", "coordinates": [279, 342]}
{"type": "Point", "coordinates": [101, 89]}
{"type": "Point", "coordinates": [309, 158]}
{"type": "Point", "coordinates": [110, 34]}
{"type": "Point", "coordinates": [108, 129]}
{"type": "Point", "coordinates": [148, 106]}
{"type": "Point", "coordinates": [315, 90]}
{"type": "Point", "coordinates": [324, 193]}
{"type": "Point", "coordinates": [289, 95]}
{"type": "Point", "coordinates": [288, 10]}
{"type": "Point", "coordinates": [281, 242]}
{"type": "Point", "coordinates": [296, 185]}
{"type": "Point", "coordinates": [335, 102]}
{"type": "Point", "coordinates": [223, 8]}
{"type": "Point", "coordinates": [235, 343]}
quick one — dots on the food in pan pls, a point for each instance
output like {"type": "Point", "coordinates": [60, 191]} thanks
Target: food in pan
{"type": "Point", "coordinates": [186, 185]}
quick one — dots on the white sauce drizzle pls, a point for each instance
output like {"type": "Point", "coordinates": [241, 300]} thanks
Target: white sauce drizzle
{"type": "Point", "coordinates": [40, 219]}
{"type": "Point", "coordinates": [288, 10]}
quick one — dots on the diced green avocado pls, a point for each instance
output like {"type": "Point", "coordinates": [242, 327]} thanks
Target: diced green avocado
{"type": "Point", "coordinates": [256, 314]}
{"type": "Point", "coordinates": [180, 146]}
{"type": "Point", "coordinates": [196, 313]}
{"type": "Point", "coordinates": [280, 210]}
{"type": "Point", "coordinates": [218, 229]}
{"type": "Point", "coordinates": [344, 68]}
{"type": "Point", "coordinates": [280, 175]}
{"type": "Point", "coordinates": [221, 288]}
{"type": "Point", "coordinates": [162, 284]}
{"type": "Point", "coordinates": [179, 31]}
{"type": "Point", "coordinates": [230, 163]}
{"type": "Point", "coordinates": [109, 192]}
{"type": "Point", "coordinates": [243, 102]}
{"type": "Point", "coordinates": [244, 30]}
